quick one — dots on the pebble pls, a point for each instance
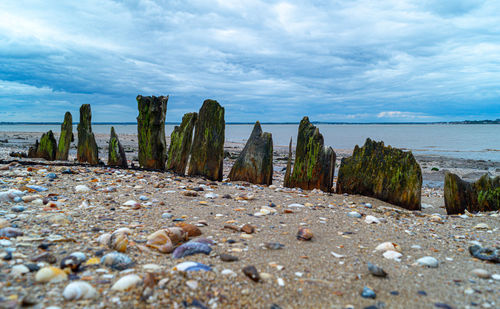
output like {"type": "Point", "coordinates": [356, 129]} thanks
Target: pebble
{"type": "Point", "coordinates": [392, 255]}
{"type": "Point", "coordinates": [10, 232]}
{"type": "Point", "coordinates": [126, 282]}
{"type": "Point", "coordinates": [371, 219]}
{"type": "Point", "coordinates": [228, 272]}
{"type": "Point", "coordinates": [385, 246]}
{"type": "Point", "coordinates": [228, 258]}
{"type": "Point", "coordinates": [482, 226]}
{"type": "Point", "coordinates": [376, 271]}
{"type": "Point", "coordinates": [273, 245]}
{"type": "Point", "coordinates": [496, 277]}
{"type": "Point", "coordinates": [82, 189]}
{"type": "Point", "coordinates": [19, 270]}
{"type": "Point", "coordinates": [191, 266]}
{"type": "Point", "coordinates": [481, 273]}
{"type": "Point", "coordinates": [18, 208]}
{"type": "Point", "coordinates": [51, 176]}
{"type": "Point", "coordinates": [79, 290]}
{"type": "Point", "coordinates": [167, 215]}
{"type": "Point", "coordinates": [428, 261]}
{"type": "Point", "coordinates": [116, 260]}
{"type": "Point", "coordinates": [354, 214]}
{"type": "Point", "coordinates": [73, 261]}
{"type": "Point", "coordinates": [252, 273]}
{"type": "Point", "coordinates": [368, 293]}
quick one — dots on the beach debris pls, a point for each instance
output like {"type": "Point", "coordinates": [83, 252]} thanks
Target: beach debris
{"type": "Point", "coordinates": [117, 260]}
{"type": "Point", "coordinates": [87, 147]}
{"type": "Point", "coordinates": [207, 151]}
{"type": "Point", "coordinates": [251, 272]}
{"type": "Point", "coordinates": [304, 234]}
{"type": "Point", "coordinates": [10, 232]}
{"type": "Point", "coordinates": [51, 274]}
{"type": "Point", "coordinates": [428, 261]}
{"type": "Point", "coordinates": [485, 254]}
{"type": "Point", "coordinates": [191, 248]}
{"type": "Point", "coordinates": [180, 144]}
{"type": "Point", "coordinates": [46, 149]}
{"type": "Point", "coordinates": [191, 266]}
{"type": "Point", "coordinates": [116, 153]}
{"type": "Point", "coordinates": [368, 293]}
{"type": "Point", "coordinates": [481, 273]}
{"type": "Point", "coordinates": [73, 261]}
{"type": "Point", "coordinates": [65, 138]}
{"type": "Point", "coordinates": [314, 163]}
{"type": "Point", "coordinates": [273, 245]}
{"type": "Point", "coordinates": [126, 282]}
{"type": "Point", "coordinates": [228, 258]}
{"type": "Point", "coordinates": [79, 290]}
{"type": "Point", "coordinates": [460, 195]}
{"type": "Point", "coordinates": [255, 162]}
{"type": "Point", "coordinates": [151, 131]}
{"type": "Point", "coordinates": [12, 196]}
{"type": "Point", "coordinates": [376, 271]}
{"type": "Point", "coordinates": [386, 173]}
{"type": "Point", "coordinates": [191, 229]}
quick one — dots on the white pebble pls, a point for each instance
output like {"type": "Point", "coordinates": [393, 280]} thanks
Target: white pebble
{"type": "Point", "coordinates": [82, 189]}
{"type": "Point", "coordinates": [392, 255]}
{"type": "Point", "coordinates": [79, 290]}
{"type": "Point", "coordinates": [19, 270]}
{"type": "Point", "coordinates": [371, 219]}
{"type": "Point", "coordinates": [481, 273]}
{"type": "Point", "coordinates": [428, 261]}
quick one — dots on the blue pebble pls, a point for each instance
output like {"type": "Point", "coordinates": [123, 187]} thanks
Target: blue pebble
{"type": "Point", "coordinates": [423, 293]}
{"type": "Point", "coordinates": [368, 293]}
{"type": "Point", "coordinates": [17, 199]}
{"type": "Point", "coordinates": [37, 188]}
{"type": "Point", "coordinates": [143, 198]}
{"type": "Point", "coordinates": [394, 293]}
{"type": "Point", "coordinates": [167, 215]}
{"type": "Point", "coordinates": [51, 176]}
{"type": "Point", "coordinates": [178, 220]}
{"type": "Point", "coordinates": [191, 248]}
{"type": "Point", "coordinates": [18, 208]}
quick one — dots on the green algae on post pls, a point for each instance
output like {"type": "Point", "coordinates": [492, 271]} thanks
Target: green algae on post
{"type": "Point", "coordinates": [87, 147]}
{"type": "Point", "coordinates": [116, 153]}
{"type": "Point", "coordinates": [65, 138]}
{"type": "Point", "coordinates": [180, 144]}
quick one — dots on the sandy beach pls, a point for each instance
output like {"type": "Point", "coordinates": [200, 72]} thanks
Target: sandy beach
{"type": "Point", "coordinates": [329, 271]}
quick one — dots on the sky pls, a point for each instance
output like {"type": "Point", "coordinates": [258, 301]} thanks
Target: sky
{"type": "Point", "coordinates": [273, 61]}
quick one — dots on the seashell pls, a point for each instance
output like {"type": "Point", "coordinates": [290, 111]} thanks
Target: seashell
{"type": "Point", "coordinates": [482, 226]}
{"type": "Point", "coordinates": [4, 223]}
{"type": "Point", "coordinates": [126, 282]}
{"type": "Point", "coordinates": [118, 242]}
{"type": "Point", "coordinates": [104, 239]}
{"type": "Point", "coordinates": [19, 270]}
{"type": "Point", "coordinates": [116, 260]}
{"type": "Point", "coordinates": [304, 234]}
{"type": "Point", "coordinates": [131, 203]}
{"type": "Point", "coordinates": [252, 273]}
{"type": "Point", "coordinates": [82, 189]}
{"type": "Point", "coordinates": [10, 232]}
{"type": "Point", "coordinates": [388, 246]}
{"type": "Point", "coordinates": [392, 255]}
{"type": "Point", "coordinates": [485, 254]}
{"type": "Point", "coordinates": [376, 271]}
{"type": "Point", "coordinates": [176, 235]}
{"type": "Point", "coordinates": [273, 245]}
{"type": "Point", "coordinates": [125, 230]}
{"type": "Point", "coordinates": [205, 241]}
{"type": "Point", "coordinates": [73, 261]}
{"type": "Point", "coordinates": [190, 229]}
{"type": "Point", "coordinates": [51, 274]}
{"type": "Point", "coordinates": [30, 198]}
{"type": "Point", "coordinates": [79, 290]}
{"type": "Point", "coordinates": [191, 248]}
{"type": "Point", "coordinates": [160, 241]}
{"type": "Point", "coordinates": [372, 219]}
{"type": "Point", "coordinates": [368, 293]}
{"type": "Point", "coordinates": [191, 266]}
{"type": "Point", "coordinates": [247, 228]}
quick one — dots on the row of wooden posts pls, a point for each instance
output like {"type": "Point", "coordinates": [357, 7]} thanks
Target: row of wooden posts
{"type": "Point", "coordinates": [387, 173]}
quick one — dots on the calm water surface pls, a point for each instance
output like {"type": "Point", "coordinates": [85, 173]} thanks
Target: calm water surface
{"type": "Point", "coordinates": [480, 142]}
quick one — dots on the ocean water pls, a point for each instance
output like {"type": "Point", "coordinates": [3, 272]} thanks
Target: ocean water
{"type": "Point", "coordinates": [478, 142]}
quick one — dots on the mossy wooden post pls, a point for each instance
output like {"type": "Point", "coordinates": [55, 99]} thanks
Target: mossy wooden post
{"type": "Point", "coordinates": [255, 163]}
{"type": "Point", "coordinates": [207, 151]}
{"type": "Point", "coordinates": [482, 195]}
{"type": "Point", "coordinates": [151, 131]}
{"type": "Point", "coordinates": [116, 153]}
{"type": "Point", "coordinates": [288, 173]}
{"type": "Point", "coordinates": [180, 144]}
{"type": "Point", "coordinates": [314, 163]}
{"type": "Point", "coordinates": [47, 147]}
{"type": "Point", "coordinates": [87, 147]}
{"type": "Point", "coordinates": [65, 138]}
{"type": "Point", "coordinates": [386, 173]}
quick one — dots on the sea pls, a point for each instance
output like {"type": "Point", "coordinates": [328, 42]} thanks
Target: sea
{"type": "Point", "coordinates": [466, 141]}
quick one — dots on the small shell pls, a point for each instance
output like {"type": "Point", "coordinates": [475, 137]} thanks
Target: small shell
{"type": "Point", "coordinates": [104, 239]}
{"type": "Point", "coordinates": [376, 271]}
{"type": "Point", "coordinates": [50, 274]}
{"type": "Point", "coordinates": [79, 290]}
{"type": "Point", "coordinates": [190, 229]}
{"type": "Point", "coordinates": [392, 255]}
{"type": "Point", "coordinates": [160, 241]}
{"type": "Point", "coordinates": [116, 260]}
{"type": "Point", "coordinates": [73, 261]}
{"type": "Point", "coordinates": [191, 266]}
{"type": "Point", "coordinates": [176, 235]}
{"type": "Point", "coordinates": [191, 248]}
{"type": "Point", "coordinates": [118, 242]}
{"type": "Point", "coordinates": [304, 234]}
{"type": "Point", "coordinates": [127, 282]}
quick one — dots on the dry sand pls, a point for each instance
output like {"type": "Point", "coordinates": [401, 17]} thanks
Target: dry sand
{"type": "Point", "coordinates": [303, 274]}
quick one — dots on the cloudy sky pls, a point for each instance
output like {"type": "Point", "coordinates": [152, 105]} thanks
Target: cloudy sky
{"type": "Point", "coordinates": [349, 60]}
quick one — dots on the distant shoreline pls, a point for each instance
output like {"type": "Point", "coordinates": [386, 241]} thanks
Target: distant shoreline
{"type": "Point", "coordinates": [473, 122]}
